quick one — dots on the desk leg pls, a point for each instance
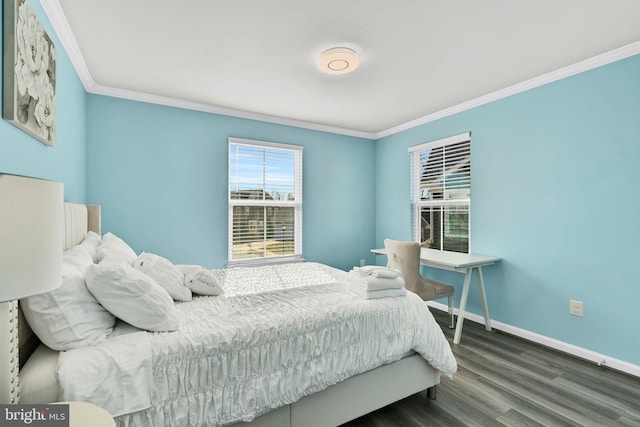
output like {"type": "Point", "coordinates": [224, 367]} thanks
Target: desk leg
{"type": "Point", "coordinates": [463, 305]}
{"type": "Point", "coordinates": [483, 299]}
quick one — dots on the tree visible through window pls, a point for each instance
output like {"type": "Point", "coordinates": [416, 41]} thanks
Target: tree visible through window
{"type": "Point", "coordinates": [265, 201]}
{"type": "Point", "coordinates": [441, 180]}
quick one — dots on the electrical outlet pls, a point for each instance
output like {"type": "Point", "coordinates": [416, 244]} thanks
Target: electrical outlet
{"type": "Point", "coordinates": [576, 308]}
{"type": "Point", "coordinates": [361, 263]}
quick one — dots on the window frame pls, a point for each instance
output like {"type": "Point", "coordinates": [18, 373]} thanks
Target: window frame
{"type": "Point", "coordinates": [296, 150]}
{"type": "Point", "coordinates": [417, 204]}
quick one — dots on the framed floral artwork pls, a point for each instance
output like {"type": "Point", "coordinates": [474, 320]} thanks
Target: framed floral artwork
{"type": "Point", "coordinates": [29, 86]}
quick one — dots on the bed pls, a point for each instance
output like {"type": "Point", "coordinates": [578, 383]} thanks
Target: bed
{"type": "Point", "coordinates": [331, 400]}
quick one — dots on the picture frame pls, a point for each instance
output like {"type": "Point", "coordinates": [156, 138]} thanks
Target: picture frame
{"type": "Point", "coordinates": [29, 80]}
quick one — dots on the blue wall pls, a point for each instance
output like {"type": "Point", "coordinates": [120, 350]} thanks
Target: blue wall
{"type": "Point", "coordinates": [160, 174]}
{"type": "Point", "coordinates": [554, 171]}
{"type": "Point", "coordinates": [21, 154]}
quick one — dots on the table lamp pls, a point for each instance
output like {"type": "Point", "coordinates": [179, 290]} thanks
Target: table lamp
{"type": "Point", "coordinates": [31, 245]}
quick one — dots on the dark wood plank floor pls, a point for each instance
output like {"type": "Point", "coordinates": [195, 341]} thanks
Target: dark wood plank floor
{"type": "Point", "coordinates": [503, 380]}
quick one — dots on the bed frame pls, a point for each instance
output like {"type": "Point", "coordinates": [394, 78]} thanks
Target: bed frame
{"type": "Point", "coordinates": [333, 406]}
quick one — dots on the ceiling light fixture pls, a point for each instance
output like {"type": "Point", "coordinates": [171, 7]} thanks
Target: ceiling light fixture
{"type": "Point", "coordinates": [338, 60]}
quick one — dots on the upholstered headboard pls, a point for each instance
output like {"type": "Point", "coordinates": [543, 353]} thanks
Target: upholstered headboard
{"type": "Point", "coordinates": [78, 220]}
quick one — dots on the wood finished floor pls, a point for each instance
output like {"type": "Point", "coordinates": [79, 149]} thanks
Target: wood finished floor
{"type": "Point", "coordinates": [503, 380]}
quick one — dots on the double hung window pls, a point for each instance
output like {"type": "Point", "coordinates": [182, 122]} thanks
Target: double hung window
{"type": "Point", "coordinates": [441, 193]}
{"type": "Point", "coordinates": [265, 202]}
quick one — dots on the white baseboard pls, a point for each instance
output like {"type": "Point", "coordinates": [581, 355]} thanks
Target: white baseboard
{"type": "Point", "coordinates": [582, 353]}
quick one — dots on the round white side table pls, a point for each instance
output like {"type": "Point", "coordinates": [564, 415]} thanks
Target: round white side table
{"type": "Point", "coordinates": [83, 414]}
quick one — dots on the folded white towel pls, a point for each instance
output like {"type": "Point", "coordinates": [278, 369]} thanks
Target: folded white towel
{"type": "Point", "coordinates": [364, 271]}
{"type": "Point", "coordinates": [385, 273]}
{"type": "Point", "coordinates": [377, 284]}
{"type": "Point", "coordinates": [386, 293]}
{"type": "Point", "coordinates": [375, 270]}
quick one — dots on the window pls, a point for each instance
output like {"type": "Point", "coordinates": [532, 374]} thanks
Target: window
{"type": "Point", "coordinates": [265, 202]}
{"type": "Point", "coordinates": [441, 193]}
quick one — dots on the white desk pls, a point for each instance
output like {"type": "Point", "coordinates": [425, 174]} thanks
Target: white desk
{"type": "Point", "coordinates": [463, 263]}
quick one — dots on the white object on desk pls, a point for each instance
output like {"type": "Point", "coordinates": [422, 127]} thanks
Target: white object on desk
{"type": "Point", "coordinates": [463, 263]}
{"type": "Point", "coordinates": [83, 414]}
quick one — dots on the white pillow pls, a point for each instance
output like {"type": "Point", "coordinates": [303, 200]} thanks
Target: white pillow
{"type": "Point", "coordinates": [207, 282]}
{"type": "Point", "coordinates": [202, 284]}
{"type": "Point", "coordinates": [189, 271]}
{"type": "Point", "coordinates": [114, 247]}
{"type": "Point", "coordinates": [164, 273]}
{"type": "Point", "coordinates": [90, 243]}
{"type": "Point", "coordinates": [132, 296]}
{"type": "Point", "coordinates": [69, 317]}
{"type": "Point", "coordinates": [77, 256]}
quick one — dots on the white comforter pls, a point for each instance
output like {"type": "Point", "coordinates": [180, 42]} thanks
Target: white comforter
{"type": "Point", "coordinates": [279, 333]}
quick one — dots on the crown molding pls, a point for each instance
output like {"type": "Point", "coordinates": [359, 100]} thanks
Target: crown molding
{"type": "Point", "coordinates": [224, 111]}
{"type": "Point", "coordinates": [56, 16]}
{"type": "Point", "coordinates": [60, 25]}
{"type": "Point", "coordinates": [568, 71]}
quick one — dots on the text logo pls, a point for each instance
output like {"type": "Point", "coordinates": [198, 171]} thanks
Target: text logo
{"type": "Point", "coordinates": [34, 415]}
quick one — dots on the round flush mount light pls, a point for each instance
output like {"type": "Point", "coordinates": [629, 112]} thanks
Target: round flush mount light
{"type": "Point", "coordinates": [338, 60]}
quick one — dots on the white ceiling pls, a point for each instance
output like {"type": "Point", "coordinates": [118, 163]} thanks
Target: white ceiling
{"type": "Point", "coordinates": [257, 58]}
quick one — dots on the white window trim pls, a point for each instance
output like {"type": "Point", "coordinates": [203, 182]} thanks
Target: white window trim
{"type": "Point", "coordinates": [415, 190]}
{"type": "Point", "coordinates": [441, 142]}
{"type": "Point", "coordinates": [297, 204]}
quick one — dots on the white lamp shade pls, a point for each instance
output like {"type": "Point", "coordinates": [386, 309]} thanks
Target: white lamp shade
{"type": "Point", "coordinates": [31, 236]}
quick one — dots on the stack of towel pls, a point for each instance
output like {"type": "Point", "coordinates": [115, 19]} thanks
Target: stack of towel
{"type": "Point", "coordinates": [381, 282]}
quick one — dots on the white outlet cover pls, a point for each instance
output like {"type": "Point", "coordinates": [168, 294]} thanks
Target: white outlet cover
{"type": "Point", "coordinates": [576, 308]}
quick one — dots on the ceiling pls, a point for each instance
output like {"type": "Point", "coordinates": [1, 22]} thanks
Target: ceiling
{"type": "Point", "coordinates": [257, 58]}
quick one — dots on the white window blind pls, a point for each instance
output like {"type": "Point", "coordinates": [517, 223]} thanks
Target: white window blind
{"type": "Point", "coordinates": [265, 202]}
{"type": "Point", "coordinates": [441, 193]}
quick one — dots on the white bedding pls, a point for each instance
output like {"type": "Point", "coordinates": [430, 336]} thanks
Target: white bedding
{"type": "Point", "coordinates": [277, 334]}
{"type": "Point", "coordinates": [115, 375]}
